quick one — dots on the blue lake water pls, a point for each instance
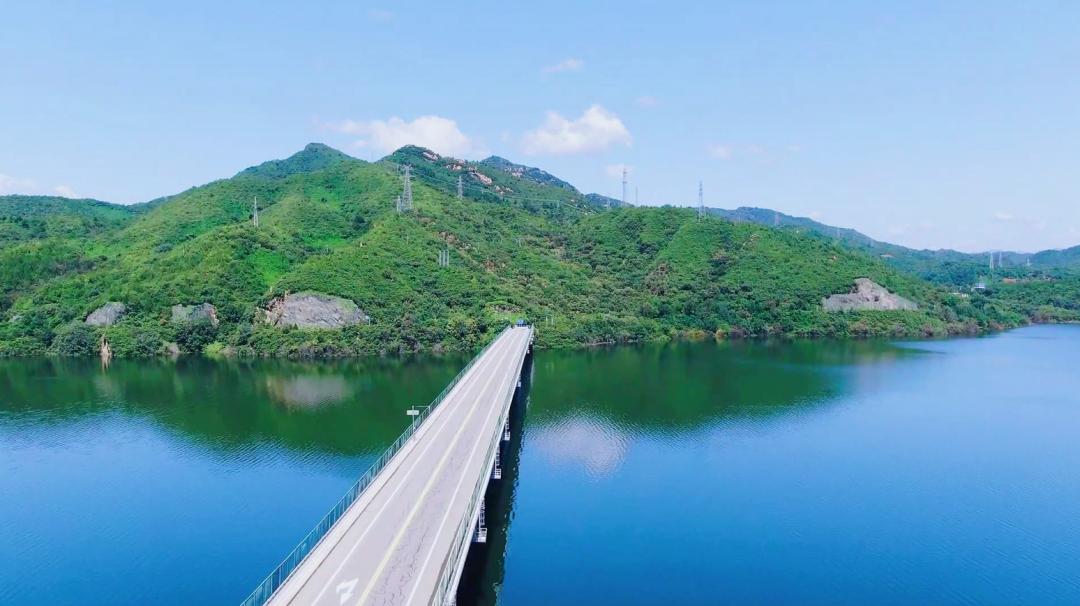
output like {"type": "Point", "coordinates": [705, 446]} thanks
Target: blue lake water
{"type": "Point", "coordinates": [938, 472]}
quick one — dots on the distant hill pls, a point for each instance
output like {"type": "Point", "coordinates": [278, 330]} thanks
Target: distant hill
{"type": "Point", "coordinates": [519, 244]}
{"type": "Point", "coordinates": [1068, 257]}
{"type": "Point", "coordinates": [602, 201]}
{"type": "Point", "coordinates": [942, 266]}
{"type": "Point", "coordinates": [37, 217]}
{"type": "Point", "coordinates": [314, 157]}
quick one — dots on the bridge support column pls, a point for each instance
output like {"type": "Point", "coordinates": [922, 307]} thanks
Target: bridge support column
{"type": "Point", "coordinates": [496, 472]}
{"type": "Point", "coordinates": [480, 536]}
{"type": "Point", "coordinates": [506, 430]}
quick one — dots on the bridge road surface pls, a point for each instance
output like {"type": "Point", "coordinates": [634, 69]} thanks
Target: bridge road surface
{"type": "Point", "coordinates": [392, 544]}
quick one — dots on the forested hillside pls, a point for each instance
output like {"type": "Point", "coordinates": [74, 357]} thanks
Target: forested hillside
{"type": "Point", "coordinates": [943, 266]}
{"type": "Point", "coordinates": [517, 243]}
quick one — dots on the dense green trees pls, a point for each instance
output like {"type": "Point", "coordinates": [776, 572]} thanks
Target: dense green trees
{"type": "Point", "coordinates": [518, 248]}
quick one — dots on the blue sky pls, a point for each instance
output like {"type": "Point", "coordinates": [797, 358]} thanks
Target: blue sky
{"type": "Point", "coordinates": [932, 124]}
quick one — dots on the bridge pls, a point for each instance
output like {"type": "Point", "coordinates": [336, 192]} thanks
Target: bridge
{"type": "Point", "coordinates": [400, 535]}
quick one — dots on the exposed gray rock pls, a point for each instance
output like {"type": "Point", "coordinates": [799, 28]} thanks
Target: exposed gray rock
{"type": "Point", "coordinates": [313, 310]}
{"type": "Point", "coordinates": [189, 314]}
{"type": "Point", "coordinates": [867, 296]}
{"type": "Point", "coordinates": [107, 314]}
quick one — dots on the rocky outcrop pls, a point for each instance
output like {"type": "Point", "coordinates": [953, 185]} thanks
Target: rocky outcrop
{"type": "Point", "coordinates": [312, 310]}
{"type": "Point", "coordinates": [867, 296]}
{"type": "Point", "coordinates": [106, 315]}
{"type": "Point", "coordinates": [190, 314]}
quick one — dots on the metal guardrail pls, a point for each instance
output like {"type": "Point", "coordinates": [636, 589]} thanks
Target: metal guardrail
{"type": "Point", "coordinates": [446, 589]}
{"type": "Point", "coordinates": [277, 578]}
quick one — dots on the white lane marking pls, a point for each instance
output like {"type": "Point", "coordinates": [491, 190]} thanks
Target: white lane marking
{"type": "Point", "coordinates": [493, 360]}
{"type": "Point", "coordinates": [423, 495]}
{"type": "Point", "coordinates": [348, 587]}
{"type": "Point", "coordinates": [446, 517]}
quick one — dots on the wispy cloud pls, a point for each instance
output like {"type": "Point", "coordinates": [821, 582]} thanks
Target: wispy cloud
{"type": "Point", "coordinates": [597, 129]}
{"type": "Point", "coordinates": [380, 15]}
{"type": "Point", "coordinates": [66, 191]}
{"type": "Point", "coordinates": [20, 185]}
{"type": "Point", "coordinates": [566, 65]}
{"type": "Point", "coordinates": [616, 170]}
{"type": "Point", "coordinates": [433, 132]}
{"type": "Point", "coordinates": [1003, 216]}
{"type": "Point", "coordinates": [647, 101]}
{"type": "Point", "coordinates": [16, 185]}
{"type": "Point", "coordinates": [721, 151]}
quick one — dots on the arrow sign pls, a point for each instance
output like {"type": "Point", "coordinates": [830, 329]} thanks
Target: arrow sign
{"type": "Point", "coordinates": [345, 590]}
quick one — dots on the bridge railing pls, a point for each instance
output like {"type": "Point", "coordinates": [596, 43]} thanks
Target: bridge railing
{"type": "Point", "coordinates": [277, 578]}
{"type": "Point", "coordinates": [446, 589]}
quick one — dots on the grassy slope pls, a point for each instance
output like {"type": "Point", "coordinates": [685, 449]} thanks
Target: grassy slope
{"type": "Point", "coordinates": [523, 249]}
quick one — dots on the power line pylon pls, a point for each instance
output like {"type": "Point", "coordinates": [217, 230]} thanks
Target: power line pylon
{"type": "Point", "coordinates": [406, 192]}
{"type": "Point", "coordinates": [624, 186]}
{"type": "Point", "coordinates": [700, 200]}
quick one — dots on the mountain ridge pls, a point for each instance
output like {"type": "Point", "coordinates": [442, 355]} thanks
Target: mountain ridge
{"type": "Point", "coordinates": [585, 273]}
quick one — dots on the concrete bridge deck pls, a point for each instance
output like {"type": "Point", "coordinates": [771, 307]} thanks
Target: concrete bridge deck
{"type": "Point", "coordinates": [404, 539]}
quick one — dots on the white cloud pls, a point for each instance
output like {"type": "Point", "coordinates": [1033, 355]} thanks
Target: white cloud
{"type": "Point", "coordinates": [1003, 216]}
{"type": "Point", "coordinates": [65, 190]}
{"type": "Point", "coordinates": [723, 152]}
{"type": "Point", "coordinates": [380, 15]}
{"type": "Point", "coordinates": [616, 170]}
{"type": "Point", "coordinates": [433, 132]}
{"type": "Point", "coordinates": [596, 130]}
{"type": "Point", "coordinates": [16, 185]}
{"type": "Point", "coordinates": [647, 101]}
{"type": "Point", "coordinates": [566, 65]}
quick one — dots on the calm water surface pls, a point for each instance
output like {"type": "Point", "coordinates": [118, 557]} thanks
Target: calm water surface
{"type": "Point", "coordinates": [812, 473]}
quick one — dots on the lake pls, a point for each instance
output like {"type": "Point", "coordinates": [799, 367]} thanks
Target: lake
{"type": "Point", "coordinates": [934, 472]}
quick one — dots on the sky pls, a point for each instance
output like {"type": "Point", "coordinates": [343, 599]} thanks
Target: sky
{"type": "Point", "coordinates": [929, 124]}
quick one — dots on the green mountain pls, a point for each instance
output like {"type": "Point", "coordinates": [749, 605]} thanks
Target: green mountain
{"type": "Point", "coordinates": [1068, 257]}
{"type": "Point", "coordinates": [24, 218]}
{"type": "Point", "coordinates": [314, 157]}
{"type": "Point", "coordinates": [516, 244]}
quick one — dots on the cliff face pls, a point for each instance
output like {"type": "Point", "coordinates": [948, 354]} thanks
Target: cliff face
{"type": "Point", "coordinates": [313, 310]}
{"type": "Point", "coordinates": [868, 296]}
{"type": "Point", "coordinates": [106, 315]}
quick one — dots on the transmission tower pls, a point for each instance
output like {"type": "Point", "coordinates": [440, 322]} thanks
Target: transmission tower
{"type": "Point", "coordinates": [624, 186]}
{"type": "Point", "coordinates": [636, 203]}
{"type": "Point", "coordinates": [406, 192]}
{"type": "Point", "coordinates": [460, 188]}
{"type": "Point", "coordinates": [700, 200]}
{"type": "Point", "coordinates": [398, 205]}
{"type": "Point", "coordinates": [776, 218]}
{"type": "Point", "coordinates": [255, 212]}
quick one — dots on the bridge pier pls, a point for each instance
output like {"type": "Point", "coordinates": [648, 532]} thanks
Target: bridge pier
{"type": "Point", "coordinates": [481, 526]}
